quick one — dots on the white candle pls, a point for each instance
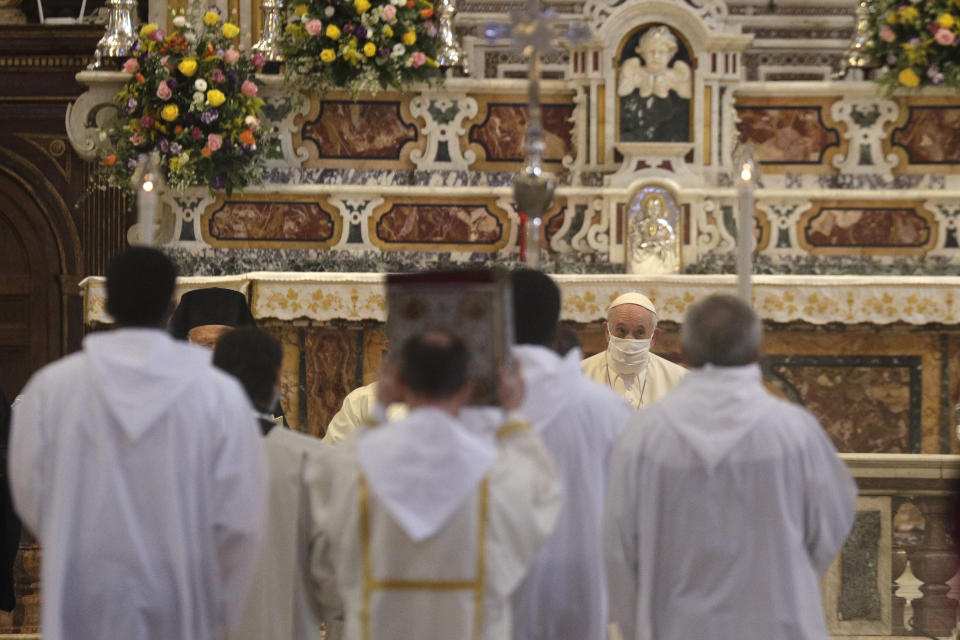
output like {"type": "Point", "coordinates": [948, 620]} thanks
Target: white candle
{"type": "Point", "coordinates": [746, 184]}
{"type": "Point", "coordinates": [148, 198]}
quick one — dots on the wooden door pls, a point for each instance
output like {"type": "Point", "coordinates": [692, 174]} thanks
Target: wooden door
{"type": "Point", "coordinates": [30, 309]}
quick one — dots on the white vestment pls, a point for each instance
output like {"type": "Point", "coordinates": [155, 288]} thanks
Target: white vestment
{"type": "Point", "coordinates": [726, 505]}
{"type": "Point", "coordinates": [279, 604]}
{"type": "Point", "coordinates": [424, 534]}
{"type": "Point", "coordinates": [564, 596]}
{"type": "Point", "coordinates": [359, 408]}
{"type": "Point", "coordinates": [140, 468]}
{"type": "Point", "coordinates": [642, 389]}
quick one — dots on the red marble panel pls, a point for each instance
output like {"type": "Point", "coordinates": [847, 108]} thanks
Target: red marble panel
{"type": "Point", "coordinates": [331, 366]}
{"type": "Point", "coordinates": [931, 135]}
{"type": "Point", "coordinates": [864, 409]}
{"type": "Point", "coordinates": [447, 224]}
{"type": "Point", "coordinates": [786, 135]}
{"type": "Point", "coordinates": [554, 224]}
{"type": "Point", "coordinates": [271, 221]}
{"type": "Point", "coordinates": [503, 133]}
{"type": "Point", "coordinates": [867, 227]}
{"type": "Point", "coordinates": [359, 130]}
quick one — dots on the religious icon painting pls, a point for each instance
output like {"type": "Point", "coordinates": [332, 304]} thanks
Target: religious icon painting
{"type": "Point", "coordinates": [654, 86]}
{"type": "Point", "coordinates": [653, 232]}
{"type": "Point", "coordinates": [474, 305]}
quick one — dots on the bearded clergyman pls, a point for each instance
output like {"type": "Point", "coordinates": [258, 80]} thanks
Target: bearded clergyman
{"type": "Point", "coordinates": [627, 366]}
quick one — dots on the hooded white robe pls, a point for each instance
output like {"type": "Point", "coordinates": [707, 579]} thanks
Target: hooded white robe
{"type": "Point", "coordinates": [564, 597]}
{"type": "Point", "coordinates": [359, 407]}
{"type": "Point", "coordinates": [140, 468]}
{"type": "Point", "coordinates": [279, 603]}
{"type": "Point", "coordinates": [726, 505]}
{"type": "Point", "coordinates": [641, 389]}
{"type": "Point", "coordinates": [425, 527]}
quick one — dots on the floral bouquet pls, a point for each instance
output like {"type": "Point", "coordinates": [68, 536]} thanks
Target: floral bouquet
{"type": "Point", "coordinates": [192, 97]}
{"type": "Point", "coordinates": [916, 40]}
{"type": "Point", "coordinates": [361, 45]}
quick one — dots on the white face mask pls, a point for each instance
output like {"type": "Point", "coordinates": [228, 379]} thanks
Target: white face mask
{"type": "Point", "coordinates": [629, 356]}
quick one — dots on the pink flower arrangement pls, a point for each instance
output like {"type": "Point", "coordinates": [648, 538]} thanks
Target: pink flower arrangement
{"type": "Point", "coordinates": [389, 13]}
{"type": "Point", "coordinates": [131, 65]}
{"type": "Point", "coordinates": [248, 88]}
{"type": "Point", "coordinates": [158, 35]}
{"type": "Point", "coordinates": [217, 76]}
{"type": "Point", "coordinates": [258, 60]}
{"type": "Point", "coordinates": [163, 91]}
{"type": "Point", "coordinates": [314, 27]}
{"type": "Point", "coordinates": [887, 34]}
{"type": "Point", "coordinates": [418, 59]}
{"type": "Point", "coordinates": [231, 55]}
{"type": "Point", "coordinates": [214, 141]}
{"type": "Point", "coordinates": [945, 37]}
{"type": "Point", "coordinates": [137, 139]}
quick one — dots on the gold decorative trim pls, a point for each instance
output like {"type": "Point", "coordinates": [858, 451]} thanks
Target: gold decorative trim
{"type": "Point", "coordinates": [370, 584]}
{"type": "Point", "coordinates": [601, 124]}
{"type": "Point", "coordinates": [321, 200]}
{"type": "Point", "coordinates": [707, 121]}
{"type": "Point", "coordinates": [42, 62]}
{"type": "Point", "coordinates": [511, 428]}
{"type": "Point", "coordinates": [53, 147]}
{"type": "Point", "coordinates": [904, 166]}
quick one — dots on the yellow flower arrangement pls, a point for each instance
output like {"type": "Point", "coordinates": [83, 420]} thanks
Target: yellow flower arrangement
{"type": "Point", "coordinates": [230, 30]}
{"type": "Point", "coordinates": [909, 14]}
{"type": "Point", "coordinates": [908, 78]}
{"type": "Point", "coordinates": [328, 55]}
{"type": "Point", "coordinates": [215, 97]}
{"type": "Point", "coordinates": [170, 112]}
{"type": "Point", "coordinates": [410, 38]}
{"type": "Point", "coordinates": [387, 32]}
{"type": "Point", "coordinates": [362, 6]}
{"type": "Point", "coordinates": [946, 20]}
{"type": "Point", "coordinates": [333, 32]}
{"type": "Point", "coordinates": [147, 29]}
{"type": "Point", "coordinates": [369, 49]}
{"type": "Point", "coordinates": [211, 18]}
{"type": "Point", "coordinates": [300, 10]}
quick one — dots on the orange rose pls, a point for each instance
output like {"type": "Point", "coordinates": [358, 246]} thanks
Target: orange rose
{"type": "Point", "coordinates": [246, 137]}
{"type": "Point", "coordinates": [205, 152]}
{"type": "Point", "coordinates": [409, 4]}
{"type": "Point", "coordinates": [426, 13]}
{"type": "Point", "coordinates": [110, 160]}
{"type": "Point", "coordinates": [140, 78]}
{"type": "Point", "coordinates": [178, 129]}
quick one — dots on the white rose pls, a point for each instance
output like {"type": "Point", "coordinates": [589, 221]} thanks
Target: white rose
{"type": "Point", "coordinates": [329, 11]}
{"type": "Point", "coordinates": [179, 22]}
{"type": "Point", "coordinates": [200, 84]}
{"type": "Point", "coordinates": [399, 50]}
{"type": "Point", "coordinates": [190, 36]}
{"type": "Point", "coordinates": [199, 97]}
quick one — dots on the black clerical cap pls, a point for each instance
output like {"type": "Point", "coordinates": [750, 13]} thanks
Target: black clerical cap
{"type": "Point", "coordinates": [210, 306]}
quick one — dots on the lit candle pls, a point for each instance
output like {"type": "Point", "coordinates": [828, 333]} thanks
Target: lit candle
{"type": "Point", "coordinates": [148, 197]}
{"type": "Point", "coordinates": [746, 184]}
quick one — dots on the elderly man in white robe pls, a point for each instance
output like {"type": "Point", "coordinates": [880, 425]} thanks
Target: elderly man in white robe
{"type": "Point", "coordinates": [423, 527]}
{"type": "Point", "coordinates": [726, 504]}
{"type": "Point", "coordinates": [627, 366]}
{"type": "Point", "coordinates": [564, 597]}
{"type": "Point", "coordinates": [140, 469]}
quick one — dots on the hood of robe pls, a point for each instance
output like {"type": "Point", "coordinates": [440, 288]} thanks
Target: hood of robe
{"type": "Point", "coordinates": [552, 381]}
{"type": "Point", "coordinates": [424, 467]}
{"type": "Point", "coordinates": [713, 408]}
{"type": "Point", "coordinates": [141, 372]}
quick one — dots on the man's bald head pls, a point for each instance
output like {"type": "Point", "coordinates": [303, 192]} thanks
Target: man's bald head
{"type": "Point", "coordinates": [721, 330]}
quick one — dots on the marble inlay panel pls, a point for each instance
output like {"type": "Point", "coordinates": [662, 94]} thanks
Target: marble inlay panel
{"type": "Point", "coordinates": [369, 130]}
{"type": "Point", "coordinates": [443, 224]}
{"type": "Point", "coordinates": [931, 135]}
{"type": "Point", "coordinates": [290, 372]}
{"type": "Point", "coordinates": [331, 370]}
{"type": "Point", "coordinates": [866, 403]}
{"type": "Point", "coordinates": [503, 133]}
{"type": "Point", "coordinates": [276, 221]}
{"type": "Point", "coordinates": [786, 135]}
{"type": "Point", "coordinates": [867, 227]}
{"type": "Point", "coordinates": [375, 345]}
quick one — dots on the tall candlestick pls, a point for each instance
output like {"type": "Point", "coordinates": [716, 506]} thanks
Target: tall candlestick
{"type": "Point", "coordinates": [148, 199]}
{"type": "Point", "coordinates": [746, 185]}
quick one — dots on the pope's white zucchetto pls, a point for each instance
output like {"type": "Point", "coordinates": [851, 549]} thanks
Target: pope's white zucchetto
{"type": "Point", "coordinates": [633, 298]}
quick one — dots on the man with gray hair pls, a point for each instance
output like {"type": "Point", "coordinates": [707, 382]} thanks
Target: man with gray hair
{"type": "Point", "coordinates": [627, 366]}
{"type": "Point", "coordinates": [726, 504]}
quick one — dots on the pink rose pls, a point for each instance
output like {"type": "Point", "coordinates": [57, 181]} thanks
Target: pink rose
{"type": "Point", "coordinates": [157, 35]}
{"type": "Point", "coordinates": [137, 139]}
{"type": "Point", "coordinates": [214, 141]}
{"type": "Point", "coordinates": [231, 55]}
{"type": "Point", "coordinates": [217, 76]}
{"type": "Point", "coordinates": [131, 65]}
{"type": "Point", "coordinates": [164, 60]}
{"type": "Point", "coordinates": [418, 58]}
{"type": "Point", "coordinates": [945, 37]}
{"type": "Point", "coordinates": [314, 27]}
{"type": "Point", "coordinates": [258, 60]}
{"type": "Point", "coordinates": [163, 91]}
{"type": "Point", "coordinates": [195, 133]}
{"type": "Point", "coordinates": [146, 122]}
{"type": "Point", "coordinates": [887, 34]}
{"type": "Point", "coordinates": [389, 13]}
{"type": "Point", "coordinates": [248, 89]}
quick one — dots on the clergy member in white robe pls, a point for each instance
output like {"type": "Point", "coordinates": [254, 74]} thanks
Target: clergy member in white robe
{"type": "Point", "coordinates": [278, 605]}
{"type": "Point", "coordinates": [139, 468]}
{"type": "Point", "coordinates": [360, 407]}
{"type": "Point", "coordinates": [627, 366]}
{"type": "Point", "coordinates": [424, 525]}
{"type": "Point", "coordinates": [564, 596]}
{"type": "Point", "coordinates": [726, 504]}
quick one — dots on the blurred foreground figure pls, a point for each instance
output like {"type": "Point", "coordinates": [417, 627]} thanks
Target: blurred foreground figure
{"type": "Point", "coordinates": [139, 467]}
{"type": "Point", "coordinates": [278, 605]}
{"type": "Point", "coordinates": [204, 315]}
{"type": "Point", "coordinates": [423, 527]}
{"type": "Point", "coordinates": [726, 504]}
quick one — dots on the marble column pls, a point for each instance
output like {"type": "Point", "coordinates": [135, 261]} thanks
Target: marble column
{"type": "Point", "coordinates": [934, 561]}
